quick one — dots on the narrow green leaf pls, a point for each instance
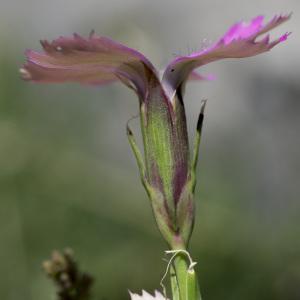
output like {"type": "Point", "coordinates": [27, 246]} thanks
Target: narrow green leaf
{"type": "Point", "coordinates": [197, 144]}
{"type": "Point", "coordinates": [138, 156]}
{"type": "Point", "coordinates": [191, 285]}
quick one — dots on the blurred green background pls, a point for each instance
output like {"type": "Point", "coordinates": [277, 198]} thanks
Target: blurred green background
{"type": "Point", "coordinates": [68, 177]}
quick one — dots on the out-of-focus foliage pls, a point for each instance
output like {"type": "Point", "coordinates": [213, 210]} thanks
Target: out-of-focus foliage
{"type": "Point", "coordinates": [68, 178]}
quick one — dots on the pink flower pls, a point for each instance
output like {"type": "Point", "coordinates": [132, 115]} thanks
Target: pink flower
{"type": "Point", "coordinates": [100, 60]}
{"type": "Point", "coordinates": [167, 168]}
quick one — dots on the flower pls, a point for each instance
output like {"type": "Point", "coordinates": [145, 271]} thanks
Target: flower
{"type": "Point", "coordinates": [167, 171]}
{"type": "Point", "coordinates": [146, 296]}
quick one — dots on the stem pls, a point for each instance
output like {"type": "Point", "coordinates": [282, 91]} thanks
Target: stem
{"type": "Point", "coordinates": [184, 281]}
{"type": "Point", "coordinates": [174, 284]}
{"type": "Point", "coordinates": [181, 267]}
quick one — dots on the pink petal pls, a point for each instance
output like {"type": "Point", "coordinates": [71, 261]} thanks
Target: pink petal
{"type": "Point", "coordinates": [92, 60]}
{"type": "Point", "coordinates": [241, 40]}
{"type": "Point", "coordinates": [198, 77]}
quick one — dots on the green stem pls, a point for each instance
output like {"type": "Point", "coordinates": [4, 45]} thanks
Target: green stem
{"type": "Point", "coordinates": [174, 284]}
{"type": "Point", "coordinates": [184, 281]}
{"type": "Point", "coordinates": [181, 267]}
